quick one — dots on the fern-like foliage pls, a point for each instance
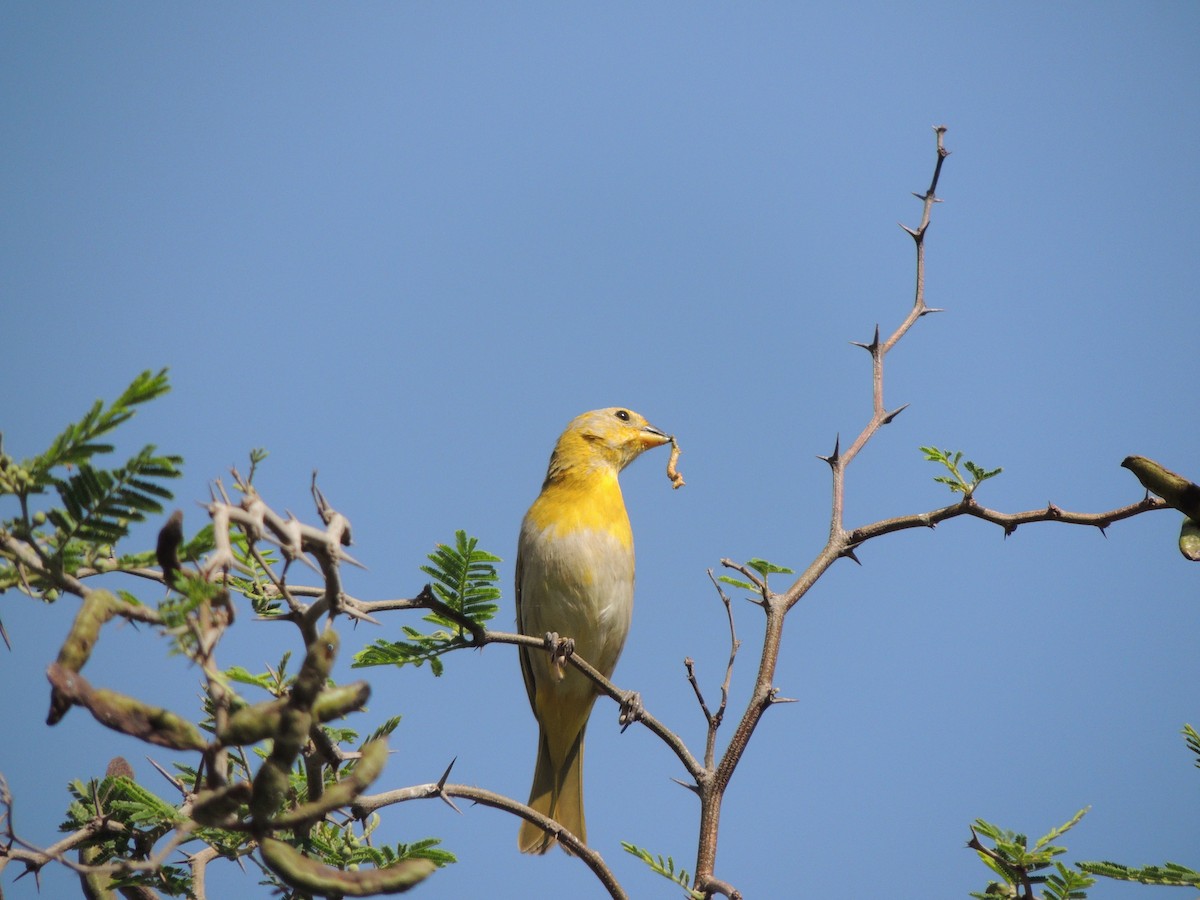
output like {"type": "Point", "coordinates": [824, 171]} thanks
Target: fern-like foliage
{"type": "Point", "coordinates": [77, 444]}
{"type": "Point", "coordinates": [464, 578]}
{"type": "Point", "coordinates": [1193, 742]}
{"type": "Point", "coordinates": [96, 505]}
{"type": "Point", "coordinates": [956, 481]}
{"type": "Point", "coordinates": [1170, 874]}
{"type": "Point", "coordinates": [665, 868]}
{"type": "Point", "coordinates": [144, 816]}
{"type": "Point", "coordinates": [254, 581]}
{"type": "Point", "coordinates": [464, 581]}
{"type": "Point", "coordinates": [1021, 866]}
{"type": "Point", "coordinates": [342, 846]}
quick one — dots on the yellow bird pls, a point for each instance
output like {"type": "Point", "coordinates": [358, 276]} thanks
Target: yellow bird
{"type": "Point", "coordinates": [575, 578]}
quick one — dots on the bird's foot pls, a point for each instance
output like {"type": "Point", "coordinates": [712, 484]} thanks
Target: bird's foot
{"type": "Point", "coordinates": [631, 709]}
{"type": "Point", "coordinates": [560, 650]}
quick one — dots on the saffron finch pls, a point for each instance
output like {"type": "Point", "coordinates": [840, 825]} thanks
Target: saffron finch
{"type": "Point", "coordinates": [575, 579]}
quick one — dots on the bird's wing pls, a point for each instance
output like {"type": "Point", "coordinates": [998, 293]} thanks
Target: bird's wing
{"type": "Point", "coordinates": [526, 669]}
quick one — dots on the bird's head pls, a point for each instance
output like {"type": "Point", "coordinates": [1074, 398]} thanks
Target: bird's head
{"type": "Point", "coordinates": [603, 439]}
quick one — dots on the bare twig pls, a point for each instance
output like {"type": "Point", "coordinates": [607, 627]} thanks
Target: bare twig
{"type": "Point", "coordinates": [606, 687]}
{"type": "Point", "coordinates": [366, 805]}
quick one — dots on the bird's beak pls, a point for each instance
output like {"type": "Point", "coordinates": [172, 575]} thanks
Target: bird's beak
{"type": "Point", "coordinates": [652, 437]}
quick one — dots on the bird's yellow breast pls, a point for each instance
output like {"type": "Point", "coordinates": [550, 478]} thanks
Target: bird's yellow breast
{"type": "Point", "coordinates": [572, 505]}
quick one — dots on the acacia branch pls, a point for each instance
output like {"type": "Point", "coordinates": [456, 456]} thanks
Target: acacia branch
{"type": "Point", "coordinates": [776, 606]}
{"type": "Point", "coordinates": [606, 687]}
{"type": "Point", "coordinates": [366, 805]}
{"type": "Point", "coordinates": [1008, 521]}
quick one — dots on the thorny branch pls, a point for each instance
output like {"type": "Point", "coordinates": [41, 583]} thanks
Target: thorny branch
{"type": "Point", "coordinates": [443, 790]}
{"type": "Point", "coordinates": [843, 543]}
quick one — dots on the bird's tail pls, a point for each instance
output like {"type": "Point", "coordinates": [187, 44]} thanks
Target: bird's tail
{"type": "Point", "coordinates": [557, 794]}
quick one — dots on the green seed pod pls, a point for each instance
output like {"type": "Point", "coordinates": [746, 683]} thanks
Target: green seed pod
{"type": "Point", "coordinates": [343, 792]}
{"type": "Point", "coordinates": [251, 724]}
{"type": "Point", "coordinates": [1175, 489]}
{"type": "Point", "coordinates": [335, 702]}
{"type": "Point", "coordinates": [215, 808]}
{"type": "Point", "coordinates": [318, 663]}
{"type": "Point", "coordinates": [270, 787]}
{"type": "Point", "coordinates": [1189, 540]}
{"type": "Point", "coordinates": [315, 877]}
{"type": "Point", "coordinates": [152, 724]}
{"type": "Point", "coordinates": [97, 608]}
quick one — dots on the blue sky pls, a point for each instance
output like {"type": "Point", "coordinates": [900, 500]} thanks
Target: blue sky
{"type": "Point", "coordinates": [404, 244]}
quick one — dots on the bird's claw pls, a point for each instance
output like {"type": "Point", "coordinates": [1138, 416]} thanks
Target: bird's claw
{"type": "Point", "coordinates": [560, 650]}
{"type": "Point", "coordinates": [631, 709]}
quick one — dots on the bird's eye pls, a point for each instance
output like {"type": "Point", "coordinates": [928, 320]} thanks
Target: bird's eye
{"type": "Point", "coordinates": [622, 414]}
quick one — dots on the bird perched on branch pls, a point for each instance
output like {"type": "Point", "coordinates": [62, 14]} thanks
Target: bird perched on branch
{"type": "Point", "coordinates": [575, 579]}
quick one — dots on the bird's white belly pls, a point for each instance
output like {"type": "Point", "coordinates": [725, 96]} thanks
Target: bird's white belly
{"type": "Point", "coordinates": [580, 586]}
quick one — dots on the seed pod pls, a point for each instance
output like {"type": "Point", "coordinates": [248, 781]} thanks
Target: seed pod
{"type": "Point", "coordinates": [252, 724]}
{"type": "Point", "coordinates": [343, 792]}
{"type": "Point", "coordinates": [1189, 540]}
{"type": "Point", "coordinates": [1175, 489]}
{"type": "Point", "coordinates": [314, 877]}
{"type": "Point", "coordinates": [215, 807]}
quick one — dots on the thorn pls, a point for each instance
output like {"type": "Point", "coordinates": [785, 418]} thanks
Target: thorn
{"type": "Point", "coordinates": [931, 309]}
{"type": "Point", "coordinates": [1053, 511]}
{"type": "Point", "coordinates": [1009, 529]}
{"type": "Point", "coordinates": [691, 787]}
{"type": "Point", "coordinates": [836, 455]}
{"type": "Point", "coordinates": [848, 553]}
{"type": "Point", "coordinates": [359, 614]}
{"type": "Point", "coordinates": [871, 347]}
{"type": "Point", "coordinates": [347, 558]}
{"type": "Point", "coordinates": [921, 197]}
{"type": "Point", "coordinates": [914, 234]}
{"type": "Point", "coordinates": [178, 785]}
{"type": "Point", "coordinates": [887, 419]}
{"type": "Point", "coordinates": [441, 787]}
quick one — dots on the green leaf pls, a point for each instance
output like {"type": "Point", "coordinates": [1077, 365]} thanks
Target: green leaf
{"type": "Point", "coordinates": [764, 568]}
{"type": "Point", "coordinates": [464, 579]}
{"type": "Point", "coordinates": [243, 676]}
{"type": "Point", "coordinates": [1193, 741]}
{"type": "Point", "coordinates": [77, 443]}
{"type": "Point", "coordinates": [1067, 884]}
{"type": "Point", "coordinates": [664, 867]}
{"type": "Point", "coordinates": [1058, 832]}
{"type": "Point", "coordinates": [955, 480]}
{"type": "Point", "coordinates": [1172, 874]}
{"type": "Point", "coordinates": [737, 583]}
{"type": "Point", "coordinates": [99, 505]}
